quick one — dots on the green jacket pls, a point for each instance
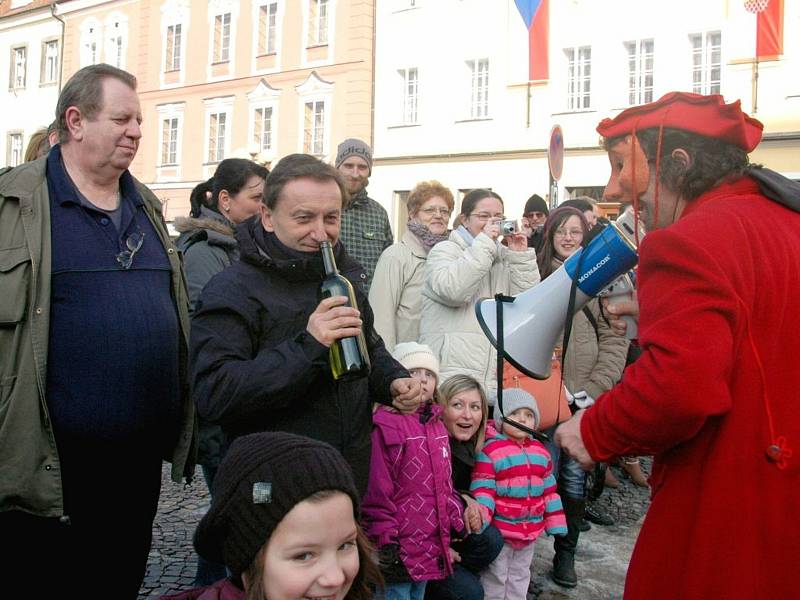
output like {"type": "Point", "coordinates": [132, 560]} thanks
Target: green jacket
{"type": "Point", "coordinates": [30, 473]}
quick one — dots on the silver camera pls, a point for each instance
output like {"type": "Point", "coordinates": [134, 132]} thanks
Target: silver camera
{"type": "Point", "coordinates": [509, 227]}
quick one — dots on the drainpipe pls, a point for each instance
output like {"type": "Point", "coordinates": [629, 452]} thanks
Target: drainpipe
{"type": "Point", "coordinates": [61, 49]}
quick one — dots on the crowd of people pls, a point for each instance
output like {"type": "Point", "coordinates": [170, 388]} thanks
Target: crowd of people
{"type": "Point", "coordinates": [120, 348]}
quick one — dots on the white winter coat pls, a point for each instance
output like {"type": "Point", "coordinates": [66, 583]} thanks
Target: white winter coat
{"type": "Point", "coordinates": [457, 275]}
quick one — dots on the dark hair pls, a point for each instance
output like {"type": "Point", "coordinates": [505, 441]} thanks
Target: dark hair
{"type": "Point", "coordinates": [84, 90]}
{"type": "Point", "coordinates": [554, 220]}
{"type": "Point", "coordinates": [368, 576]}
{"type": "Point", "coordinates": [471, 199]}
{"type": "Point", "coordinates": [232, 175]}
{"type": "Point", "coordinates": [712, 160]}
{"type": "Point", "coordinates": [582, 203]}
{"type": "Point", "coordinates": [297, 166]}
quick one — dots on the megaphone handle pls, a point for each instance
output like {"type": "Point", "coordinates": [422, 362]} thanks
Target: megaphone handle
{"type": "Point", "coordinates": [500, 299]}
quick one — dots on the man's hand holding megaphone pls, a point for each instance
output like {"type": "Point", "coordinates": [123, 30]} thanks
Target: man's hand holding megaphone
{"type": "Point", "coordinates": [615, 310]}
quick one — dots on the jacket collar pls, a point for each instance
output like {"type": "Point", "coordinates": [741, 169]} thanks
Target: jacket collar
{"type": "Point", "coordinates": [743, 187]}
{"type": "Point", "coordinates": [414, 245]}
{"type": "Point", "coordinates": [293, 269]}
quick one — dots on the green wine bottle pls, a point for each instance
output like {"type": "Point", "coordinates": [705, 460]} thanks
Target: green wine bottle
{"type": "Point", "coordinates": [348, 356]}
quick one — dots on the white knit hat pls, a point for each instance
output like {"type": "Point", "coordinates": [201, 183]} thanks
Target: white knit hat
{"type": "Point", "coordinates": [416, 356]}
{"type": "Point", "coordinates": [516, 398]}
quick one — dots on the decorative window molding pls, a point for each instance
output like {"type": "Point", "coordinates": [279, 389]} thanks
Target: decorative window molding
{"type": "Point", "coordinates": [175, 20]}
{"type": "Point", "coordinates": [579, 77]}
{"type": "Point", "coordinates": [51, 64]}
{"type": "Point", "coordinates": [262, 129]}
{"type": "Point", "coordinates": [318, 35]}
{"type": "Point", "coordinates": [170, 141]}
{"type": "Point", "coordinates": [217, 131]}
{"type": "Point", "coordinates": [479, 88]}
{"type": "Point", "coordinates": [640, 71]}
{"type": "Point", "coordinates": [267, 17]}
{"type": "Point", "coordinates": [315, 110]}
{"type": "Point", "coordinates": [223, 16]}
{"type": "Point", "coordinates": [91, 42]}
{"type": "Point", "coordinates": [18, 71]}
{"type": "Point", "coordinates": [409, 95]}
{"type": "Point", "coordinates": [116, 50]}
{"type": "Point", "coordinates": [15, 149]}
{"type": "Point", "coordinates": [706, 62]}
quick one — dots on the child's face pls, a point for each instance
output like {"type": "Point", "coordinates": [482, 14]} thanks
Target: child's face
{"type": "Point", "coordinates": [312, 553]}
{"type": "Point", "coordinates": [523, 416]}
{"type": "Point", "coordinates": [428, 380]}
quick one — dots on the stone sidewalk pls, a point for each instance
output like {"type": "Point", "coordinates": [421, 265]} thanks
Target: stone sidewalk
{"type": "Point", "coordinates": [602, 559]}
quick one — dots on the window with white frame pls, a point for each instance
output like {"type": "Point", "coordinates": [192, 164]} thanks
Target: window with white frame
{"type": "Point", "coordinates": [267, 28]}
{"type": "Point", "coordinates": [169, 141]}
{"type": "Point", "coordinates": [479, 88]}
{"type": "Point", "coordinates": [262, 128]}
{"type": "Point", "coordinates": [19, 66]}
{"type": "Point", "coordinates": [706, 62]}
{"type": "Point", "coordinates": [90, 42]}
{"type": "Point", "coordinates": [49, 62]}
{"type": "Point", "coordinates": [314, 127]}
{"type": "Point", "coordinates": [409, 95]}
{"type": "Point", "coordinates": [317, 22]}
{"type": "Point", "coordinates": [172, 58]}
{"type": "Point", "coordinates": [222, 38]}
{"type": "Point", "coordinates": [579, 77]}
{"type": "Point", "coordinates": [15, 149]}
{"type": "Point", "coordinates": [640, 71]}
{"type": "Point", "coordinates": [217, 136]}
{"type": "Point", "coordinates": [116, 28]}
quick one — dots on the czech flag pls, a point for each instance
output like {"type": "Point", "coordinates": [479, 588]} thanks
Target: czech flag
{"type": "Point", "coordinates": [536, 17]}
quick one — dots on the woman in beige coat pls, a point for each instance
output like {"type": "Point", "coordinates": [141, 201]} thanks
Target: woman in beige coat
{"type": "Point", "coordinates": [472, 264]}
{"type": "Point", "coordinates": [395, 293]}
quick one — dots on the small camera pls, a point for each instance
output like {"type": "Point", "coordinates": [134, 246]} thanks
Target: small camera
{"type": "Point", "coordinates": [509, 227]}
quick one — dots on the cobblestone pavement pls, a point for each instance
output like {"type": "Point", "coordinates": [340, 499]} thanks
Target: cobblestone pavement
{"type": "Point", "coordinates": [601, 562]}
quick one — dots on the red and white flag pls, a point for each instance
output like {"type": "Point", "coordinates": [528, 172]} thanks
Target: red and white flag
{"type": "Point", "coordinates": [757, 29]}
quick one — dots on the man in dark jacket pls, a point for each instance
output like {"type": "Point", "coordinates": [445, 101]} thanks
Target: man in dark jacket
{"type": "Point", "coordinates": [260, 336]}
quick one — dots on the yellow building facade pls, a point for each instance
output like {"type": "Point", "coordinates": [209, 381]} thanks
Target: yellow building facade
{"type": "Point", "coordinates": [222, 78]}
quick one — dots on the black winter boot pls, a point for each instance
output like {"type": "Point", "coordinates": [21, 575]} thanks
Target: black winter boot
{"type": "Point", "coordinates": [563, 572]}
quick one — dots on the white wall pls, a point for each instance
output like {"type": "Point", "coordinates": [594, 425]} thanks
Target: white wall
{"type": "Point", "coordinates": [34, 107]}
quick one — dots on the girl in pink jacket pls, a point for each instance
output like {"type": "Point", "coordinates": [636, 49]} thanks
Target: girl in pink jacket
{"type": "Point", "coordinates": [410, 509]}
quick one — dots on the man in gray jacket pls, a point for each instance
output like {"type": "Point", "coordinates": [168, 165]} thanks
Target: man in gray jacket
{"type": "Point", "coordinates": [93, 346]}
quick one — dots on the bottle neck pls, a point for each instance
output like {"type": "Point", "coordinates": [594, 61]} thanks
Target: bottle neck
{"type": "Point", "coordinates": [328, 260]}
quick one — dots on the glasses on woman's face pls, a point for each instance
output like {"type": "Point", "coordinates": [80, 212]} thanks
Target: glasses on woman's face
{"type": "Point", "coordinates": [485, 216]}
{"type": "Point", "coordinates": [572, 233]}
{"type": "Point", "coordinates": [433, 210]}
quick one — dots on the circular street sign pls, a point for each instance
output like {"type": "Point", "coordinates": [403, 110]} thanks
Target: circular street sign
{"type": "Point", "coordinates": [555, 152]}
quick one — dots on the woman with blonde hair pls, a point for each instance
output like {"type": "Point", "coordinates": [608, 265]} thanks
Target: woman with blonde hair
{"type": "Point", "coordinates": [466, 412]}
{"type": "Point", "coordinates": [38, 145]}
{"type": "Point", "coordinates": [395, 292]}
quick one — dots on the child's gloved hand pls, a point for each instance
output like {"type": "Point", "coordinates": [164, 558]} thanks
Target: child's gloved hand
{"type": "Point", "coordinates": [391, 565]}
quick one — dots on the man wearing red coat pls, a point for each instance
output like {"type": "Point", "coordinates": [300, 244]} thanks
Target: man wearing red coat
{"type": "Point", "coordinates": [715, 395]}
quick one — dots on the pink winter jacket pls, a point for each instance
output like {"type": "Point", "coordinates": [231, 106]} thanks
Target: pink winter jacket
{"type": "Point", "coordinates": [410, 498]}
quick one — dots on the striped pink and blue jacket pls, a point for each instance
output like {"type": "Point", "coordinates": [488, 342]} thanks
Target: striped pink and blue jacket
{"type": "Point", "coordinates": [514, 484]}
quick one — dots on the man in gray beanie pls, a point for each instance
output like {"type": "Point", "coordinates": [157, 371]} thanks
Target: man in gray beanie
{"type": "Point", "coordinates": [365, 224]}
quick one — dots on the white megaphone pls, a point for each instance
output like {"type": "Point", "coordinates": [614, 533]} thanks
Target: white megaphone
{"type": "Point", "coordinates": [534, 319]}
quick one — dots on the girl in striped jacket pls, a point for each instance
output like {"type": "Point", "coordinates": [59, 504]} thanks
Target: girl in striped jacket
{"type": "Point", "coordinates": [513, 483]}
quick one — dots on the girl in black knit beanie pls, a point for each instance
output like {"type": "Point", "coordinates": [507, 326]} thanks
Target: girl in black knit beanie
{"type": "Point", "coordinates": [283, 520]}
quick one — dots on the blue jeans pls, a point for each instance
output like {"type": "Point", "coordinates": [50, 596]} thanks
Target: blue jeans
{"type": "Point", "coordinates": [413, 590]}
{"type": "Point", "coordinates": [477, 552]}
{"type": "Point", "coordinates": [569, 475]}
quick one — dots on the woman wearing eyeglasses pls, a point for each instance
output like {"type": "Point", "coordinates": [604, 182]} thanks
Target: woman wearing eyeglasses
{"type": "Point", "coordinates": [593, 363]}
{"type": "Point", "coordinates": [395, 292]}
{"type": "Point", "coordinates": [472, 264]}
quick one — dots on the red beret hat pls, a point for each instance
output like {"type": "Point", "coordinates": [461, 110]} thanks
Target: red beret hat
{"type": "Point", "coordinates": [704, 115]}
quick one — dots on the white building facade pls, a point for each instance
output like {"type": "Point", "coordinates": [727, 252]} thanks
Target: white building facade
{"type": "Point", "coordinates": [30, 57]}
{"type": "Point", "coordinates": [453, 103]}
